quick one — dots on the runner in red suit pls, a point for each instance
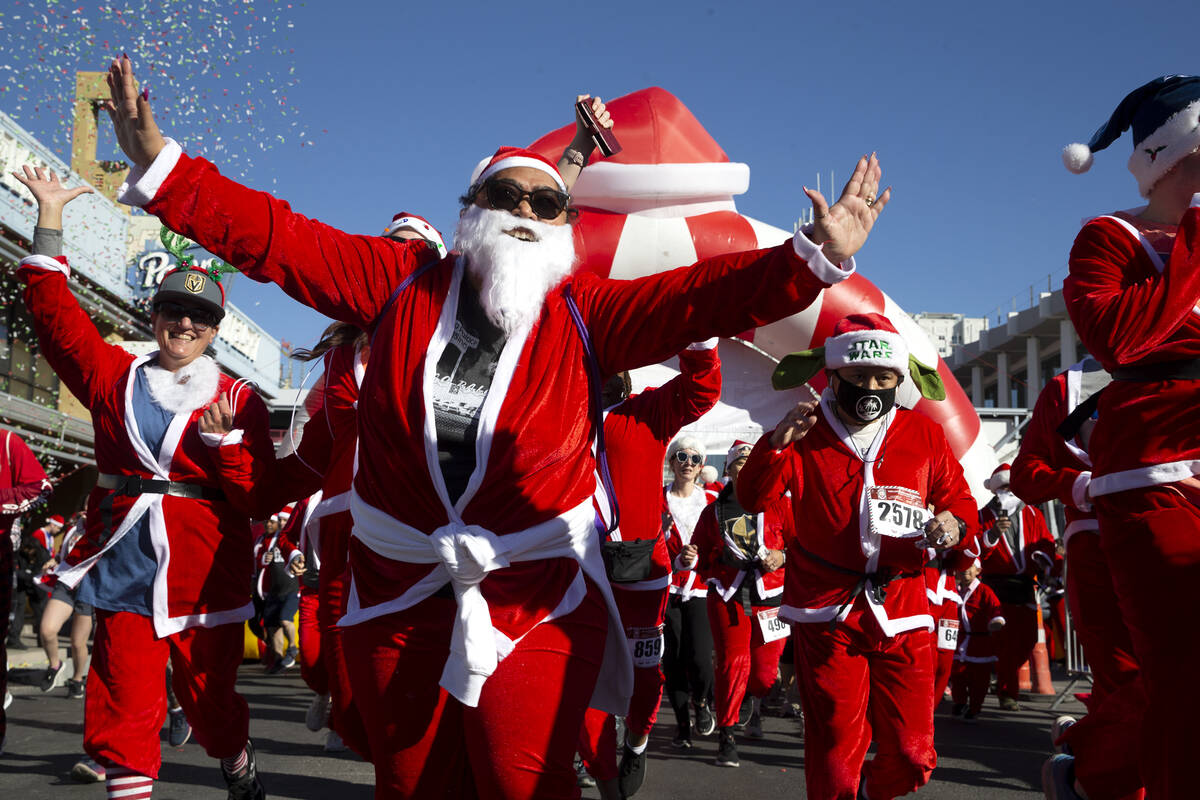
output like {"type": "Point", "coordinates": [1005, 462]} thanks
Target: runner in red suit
{"type": "Point", "coordinates": [980, 617]}
{"type": "Point", "coordinates": [637, 431]}
{"type": "Point", "coordinates": [863, 475]}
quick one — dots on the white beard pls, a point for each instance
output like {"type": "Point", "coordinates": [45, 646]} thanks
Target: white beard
{"type": "Point", "coordinates": [185, 389]}
{"type": "Point", "coordinates": [1009, 502]}
{"type": "Point", "coordinates": [515, 274]}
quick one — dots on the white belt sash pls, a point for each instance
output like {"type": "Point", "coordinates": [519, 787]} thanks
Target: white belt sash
{"type": "Point", "coordinates": [463, 555]}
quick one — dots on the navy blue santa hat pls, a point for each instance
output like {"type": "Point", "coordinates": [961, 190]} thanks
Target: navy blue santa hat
{"type": "Point", "coordinates": [1165, 117]}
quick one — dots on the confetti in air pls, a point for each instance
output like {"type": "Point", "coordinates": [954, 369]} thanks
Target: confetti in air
{"type": "Point", "coordinates": [219, 71]}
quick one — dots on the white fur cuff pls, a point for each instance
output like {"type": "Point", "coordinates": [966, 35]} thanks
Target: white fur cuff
{"type": "Point", "coordinates": [217, 440]}
{"type": "Point", "coordinates": [820, 266]}
{"type": "Point", "coordinates": [707, 344]}
{"type": "Point", "coordinates": [1079, 491]}
{"type": "Point", "coordinates": [47, 263]}
{"type": "Point", "coordinates": [140, 185]}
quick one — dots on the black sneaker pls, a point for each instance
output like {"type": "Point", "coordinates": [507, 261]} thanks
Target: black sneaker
{"type": "Point", "coordinates": [727, 750]}
{"type": "Point", "coordinates": [53, 677]}
{"type": "Point", "coordinates": [1009, 703]}
{"type": "Point", "coordinates": [706, 723]}
{"type": "Point", "coordinates": [180, 729]}
{"type": "Point", "coordinates": [582, 779]}
{"type": "Point", "coordinates": [75, 689]}
{"type": "Point", "coordinates": [631, 772]}
{"type": "Point", "coordinates": [957, 709]}
{"type": "Point", "coordinates": [683, 737]}
{"type": "Point", "coordinates": [245, 785]}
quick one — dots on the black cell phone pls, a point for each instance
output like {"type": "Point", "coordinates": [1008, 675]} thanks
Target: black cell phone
{"type": "Point", "coordinates": [603, 137]}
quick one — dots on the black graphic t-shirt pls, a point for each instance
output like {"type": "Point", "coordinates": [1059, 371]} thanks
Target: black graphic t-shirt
{"type": "Point", "coordinates": [464, 375]}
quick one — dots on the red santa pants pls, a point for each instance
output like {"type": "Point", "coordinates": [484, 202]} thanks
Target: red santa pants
{"type": "Point", "coordinates": [857, 683]}
{"type": "Point", "coordinates": [127, 699]}
{"type": "Point", "coordinates": [969, 683]}
{"type": "Point", "coordinates": [344, 717]}
{"type": "Point", "coordinates": [943, 659]}
{"type": "Point", "coordinates": [1106, 741]}
{"type": "Point", "coordinates": [642, 613]}
{"type": "Point", "coordinates": [312, 667]}
{"type": "Point", "coordinates": [1151, 538]}
{"type": "Point", "coordinates": [1014, 646]}
{"type": "Point", "coordinates": [517, 743]}
{"type": "Point", "coordinates": [741, 657]}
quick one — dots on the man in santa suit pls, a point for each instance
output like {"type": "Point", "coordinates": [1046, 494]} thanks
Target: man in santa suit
{"type": "Point", "coordinates": [637, 430]}
{"type": "Point", "coordinates": [742, 556]}
{"type": "Point", "coordinates": [166, 553]}
{"type": "Point", "coordinates": [280, 563]}
{"type": "Point", "coordinates": [1054, 464]}
{"type": "Point", "coordinates": [687, 660]}
{"type": "Point", "coordinates": [482, 583]}
{"type": "Point", "coordinates": [1133, 288]}
{"type": "Point", "coordinates": [45, 534]}
{"type": "Point", "coordinates": [23, 483]}
{"type": "Point", "coordinates": [941, 587]}
{"type": "Point", "coordinates": [980, 617]}
{"type": "Point", "coordinates": [1016, 548]}
{"type": "Point", "coordinates": [863, 476]}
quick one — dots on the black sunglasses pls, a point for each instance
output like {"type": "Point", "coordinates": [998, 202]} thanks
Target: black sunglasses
{"type": "Point", "coordinates": [202, 319]}
{"type": "Point", "coordinates": [684, 458]}
{"type": "Point", "coordinates": [505, 195]}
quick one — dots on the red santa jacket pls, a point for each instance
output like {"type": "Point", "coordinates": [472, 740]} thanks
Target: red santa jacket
{"type": "Point", "coordinates": [23, 482]}
{"type": "Point", "coordinates": [534, 460]}
{"type": "Point", "coordinates": [687, 583]}
{"type": "Point", "coordinates": [980, 606]}
{"type": "Point", "coordinates": [1050, 467]}
{"type": "Point", "coordinates": [1035, 553]}
{"type": "Point", "coordinates": [844, 506]}
{"type": "Point", "coordinates": [941, 588]}
{"type": "Point", "coordinates": [1132, 308]}
{"type": "Point", "coordinates": [203, 546]}
{"type": "Point", "coordinates": [45, 538]}
{"type": "Point", "coordinates": [636, 435]}
{"type": "Point", "coordinates": [773, 528]}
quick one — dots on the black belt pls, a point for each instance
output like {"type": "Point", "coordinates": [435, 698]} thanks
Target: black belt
{"type": "Point", "coordinates": [134, 485]}
{"type": "Point", "coordinates": [879, 581]}
{"type": "Point", "coordinates": [1181, 370]}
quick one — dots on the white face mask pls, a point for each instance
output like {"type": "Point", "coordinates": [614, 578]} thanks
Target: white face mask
{"type": "Point", "coordinates": [1008, 501]}
{"type": "Point", "coordinates": [516, 274]}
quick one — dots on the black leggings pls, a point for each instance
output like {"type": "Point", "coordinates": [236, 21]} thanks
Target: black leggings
{"type": "Point", "coordinates": [688, 661]}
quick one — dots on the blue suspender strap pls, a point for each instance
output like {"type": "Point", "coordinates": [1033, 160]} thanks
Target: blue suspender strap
{"type": "Point", "coordinates": [404, 284]}
{"type": "Point", "coordinates": [594, 385]}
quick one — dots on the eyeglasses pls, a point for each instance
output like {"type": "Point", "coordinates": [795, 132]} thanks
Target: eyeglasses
{"type": "Point", "coordinates": [684, 458]}
{"type": "Point", "coordinates": [505, 195]}
{"type": "Point", "coordinates": [202, 319]}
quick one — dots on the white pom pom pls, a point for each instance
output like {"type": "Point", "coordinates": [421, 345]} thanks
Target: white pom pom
{"type": "Point", "coordinates": [1077, 158]}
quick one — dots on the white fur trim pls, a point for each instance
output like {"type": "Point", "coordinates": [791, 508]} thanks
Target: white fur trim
{"type": "Point", "coordinates": [47, 263]}
{"type": "Point", "coordinates": [1174, 140]}
{"type": "Point", "coordinates": [707, 344]}
{"type": "Point", "coordinates": [1079, 491]}
{"type": "Point", "coordinates": [512, 162]}
{"type": "Point", "coordinates": [838, 351]}
{"type": "Point", "coordinates": [185, 389]}
{"type": "Point", "coordinates": [419, 227]}
{"type": "Point", "coordinates": [222, 440]}
{"type": "Point", "coordinates": [1077, 158]}
{"type": "Point", "coordinates": [1141, 477]}
{"type": "Point", "coordinates": [818, 264]}
{"type": "Point", "coordinates": [1195, 201]}
{"type": "Point", "coordinates": [142, 185]}
{"type": "Point", "coordinates": [997, 480]}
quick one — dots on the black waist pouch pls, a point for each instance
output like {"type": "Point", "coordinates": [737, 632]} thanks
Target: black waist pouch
{"type": "Point", "coordinates": [628, 562]}
{"type": "Point", "coordinates": [1016, 590]}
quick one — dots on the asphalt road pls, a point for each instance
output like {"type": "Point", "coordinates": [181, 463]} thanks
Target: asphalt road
{"type": "Point", "coordinates": [996, 758]}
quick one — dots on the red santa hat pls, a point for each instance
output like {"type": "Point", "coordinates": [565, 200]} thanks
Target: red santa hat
{"type": "Point", "coordinates": [404, 221]}
{"type": "Point", "coordinates": [284, 512]}
{"type": "Point", "coordinates": [866, 340]}
{"type": "Point", "coordinates": [510, 157]}
{"type": "Point", "coordinates": [739, 449]}
{"type": "Point", "coordinates": [57, 519]}
{"type": "Point", "coordinates": [1000, 477]}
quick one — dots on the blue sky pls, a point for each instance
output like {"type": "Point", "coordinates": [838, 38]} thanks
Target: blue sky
{"type": "Point", "coordinates": [967, 104]}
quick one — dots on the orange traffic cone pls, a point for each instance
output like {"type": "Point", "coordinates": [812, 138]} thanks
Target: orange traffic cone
{"type": "Point", "coordinates": [1040, 660]}
{"type": "Point", "coordinates": [1024, 683]}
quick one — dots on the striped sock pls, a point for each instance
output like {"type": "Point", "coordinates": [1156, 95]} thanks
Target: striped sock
{"type": "Point", "coordinates": [236, 765]}
{"type": "Point", "coordinates": [123, 783]}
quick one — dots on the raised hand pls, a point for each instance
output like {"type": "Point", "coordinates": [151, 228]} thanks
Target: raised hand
{"type": "Point", "coordinates": [843, 227]}
{"type": "Point", "coordinates": [133, 122]}
{"type": "Point", "coordinates": [602, 117]}
{"type": "Point", "coordinates": [795, 424]}
{"type": "Point", "coordinates": [218, 417]}
{"type": "Point", "coordinates": [51, 195]}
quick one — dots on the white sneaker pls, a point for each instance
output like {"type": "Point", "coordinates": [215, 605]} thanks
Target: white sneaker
{"type": "Point", "coordinates": [317, 716]}
{"type": "Point", "coordinates": [334, 743]}
{"type": "Point", "coordinates": [7, 700]}
{"type": "Point", "coordinates": [88, 771]}
{"type": "Point", "coordinates": [1057, 729]}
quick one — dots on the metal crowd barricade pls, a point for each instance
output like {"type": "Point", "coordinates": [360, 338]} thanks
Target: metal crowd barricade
{"type": "Point", "coordinates": [1077, 666]}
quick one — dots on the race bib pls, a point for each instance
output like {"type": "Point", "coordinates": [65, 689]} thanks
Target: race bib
{"type": "Point", "coordinates": [897, 512]}
{"type": "Point", "coordinates": [947, 634]}
{"type": "Point", "coordinates": [772, 627]}
{"type": "Point", "coordinates": [645, 646]}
